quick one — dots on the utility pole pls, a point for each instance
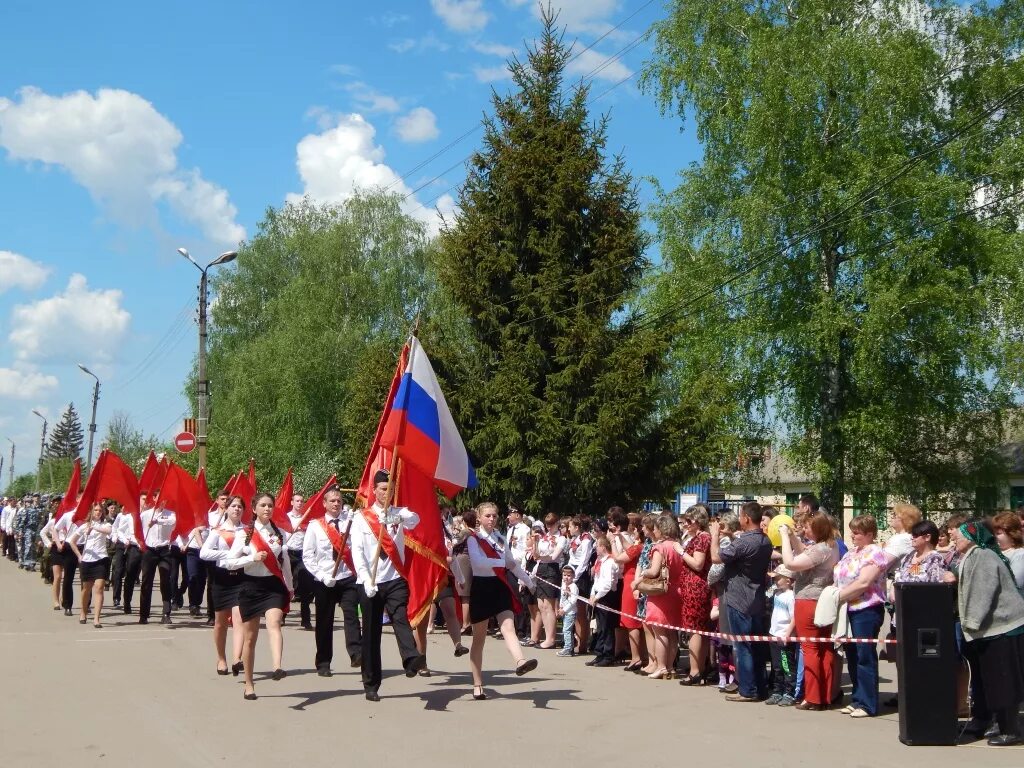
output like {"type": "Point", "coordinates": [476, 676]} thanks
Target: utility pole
{"type": "Point", "coordinates": [92, 424]}
{"type": "Point", "coordinates": [42, 449]}
{"type": "Point", "coordinates": [203, 385]}
{"type": "Point", "coordinates": [10, 470]}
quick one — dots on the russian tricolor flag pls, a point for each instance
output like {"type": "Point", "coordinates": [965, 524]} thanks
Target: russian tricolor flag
{"type": "Point", "coordinates": [421, 427]}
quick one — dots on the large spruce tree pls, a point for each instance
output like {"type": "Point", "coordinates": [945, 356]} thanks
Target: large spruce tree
{"type": "Point", "coordinates": [555, 387]}
{"type": "Point", "coordinates": [66, 437]}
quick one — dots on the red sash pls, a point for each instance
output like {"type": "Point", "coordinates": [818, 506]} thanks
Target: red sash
{"type": "Point", "coordinates": [500, 571]}
{"type": "Point", "coordinates": [339, 543]}
{"type": "Point", "coordinates": [260, 544]}
{"type": "Point", "coordinates": [227, 536]}
{"type": "Point", "coordinates": [388, 543]}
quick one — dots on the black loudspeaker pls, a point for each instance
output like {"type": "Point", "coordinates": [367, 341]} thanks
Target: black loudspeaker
{"type": "Point", "coordinates": [928, 662]}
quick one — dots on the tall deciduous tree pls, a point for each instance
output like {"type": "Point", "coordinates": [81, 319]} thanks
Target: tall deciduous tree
{"type": "Point", "coordinates": [128, 441]}
{"type": "Point", "coordinates": [553, 383]}
{"type": "Point", "coordinates": [851, 265]}
{"type": "Point", "coordinates": [66, 437]}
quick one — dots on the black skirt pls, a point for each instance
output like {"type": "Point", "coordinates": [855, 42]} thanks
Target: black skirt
{"type": "Point", "coordinates": [57, 555]}
{"type": "Point", "coordinates": [224, 588]}
{"type": "Point", "coordinates": [97, 569]}
{"type": "Point", "coordinates": [999, 664]}
{"type": "Point", "coordinates": [549, 572]}
{"type": "Point", "coordinates": [260, 594]}
{"type": "Point", "coordinates": [490, 597]}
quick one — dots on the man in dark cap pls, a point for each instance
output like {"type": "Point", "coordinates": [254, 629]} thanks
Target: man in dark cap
{"type": "Point", "coordinates": [382, 587]}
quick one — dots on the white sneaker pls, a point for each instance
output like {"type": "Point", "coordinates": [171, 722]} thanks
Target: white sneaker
{"type": "Point", "coordinates": [858, 712]}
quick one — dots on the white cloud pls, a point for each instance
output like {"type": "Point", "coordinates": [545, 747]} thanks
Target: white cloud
{"type": "Point", "coordinates": [25, 384]}
{"type": "Point", "coordinates": [419, 125]}
{"type": "Point", "coordinates": [16, 271]}
{"type": "Point", "coordinates": [595, 65]}
{"type": "Point", "coordinates": [429, 42]}
{"type": "Point", "coordinates": [493, 49]}
{"type": "Point", "coordinates": [491, 74]}
{"type": "Point", "coordinates": [402, 46]}
{"type": "Point", "coordinates": [71, 326]}
{"type": "Point", "coordinates": [344, 69]}
{"type": "Point", "coordinates": [116, 145]}
{"type": "Point", "coordinates": [588, 16]}
{"type": "Point", "coordinates": [461, 15]}
{"type": "Point", "coordinates": [368, 99]}
{"type": "Point", "coordinates": [345, 158]}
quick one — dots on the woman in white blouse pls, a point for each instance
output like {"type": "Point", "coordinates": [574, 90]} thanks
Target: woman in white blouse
{"type": "Point", "coordinates": [266, 587]}
{"type": "Point", "coordinates": [89, 543]}
{"type": "Point", "coordinates": [492, 596]}
{"type": "Point", "coordinates": [548, 550]}
{"type": "Point", "coordinates": [225, 585]}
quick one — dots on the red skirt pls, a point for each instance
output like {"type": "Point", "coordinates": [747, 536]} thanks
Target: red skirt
{"type": "Point", "coordinates": [628, 606]}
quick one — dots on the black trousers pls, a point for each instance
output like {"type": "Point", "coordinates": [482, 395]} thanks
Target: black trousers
{"type": "Point", "coordinates": [179, 577]}
{"type": "Point", "coordinates": [117, 571]}
{"type": "Point", "coordinates": [132, 568]}
{"type": "Point", "coordinates": [209, 590]}
{"type": "Point", "coordinates": [325, 600]}
{"type": "Point", "coordinates": [152, 559]}
{"type": "Point", "coordinates": [393, 597]}
{"type": "Point", "coordinates": [783, 668]}
{"type": "Point", "coordinates": [195, 570]}
{"type": "Point", "coordinates": [67, 586]}
{"type": "Point", "coordinates": [303, 584]}
{"type": "Point", "coordinates": [607, 622]}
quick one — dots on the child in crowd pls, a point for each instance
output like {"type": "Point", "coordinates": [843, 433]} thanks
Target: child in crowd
{"type": "Point", "coordinates": [723, 653]}
{"type": "Point", "coordinates": [567, 610]}
{"type": "Point", "coordinates": [783, 654]}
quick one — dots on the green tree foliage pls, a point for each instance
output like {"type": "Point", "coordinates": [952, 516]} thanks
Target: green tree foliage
{"type": "Point", "coordinates": [553, 383]}
{"type": "Point", "coordinates": [305, 335]}
{"type": "Point", "coordinates": [22, 484]}
{"type": "Point", "coordinates": [832, 246]}
{"type": "Point", "coordinates": [129, 442]}
{"type": "Point", "coordinates": [66, 437]}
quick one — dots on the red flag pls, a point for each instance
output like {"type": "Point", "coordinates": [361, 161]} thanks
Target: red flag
{"type": "Point", "coordinates": [162, 473]}
{"type": "Point", "coordinates": [260, 545]}
{"type": "Point", "coordinates": [426, 555]}
{"type": "Point", "coordinates": [71, 495]}
{"type": "Point", "coordinates": [149, 479]}
{"type": "Point", "coordinates": [177, 495]}
{"type": "Point", "coordinates": [230, 482]}
{"type": "Point", "coordinates": [243, 488]}
{"type": "Point", "coordinates": [283, 503]}
{"type": "Point", "coordinates": [204, 490]}
{"type": "Point", "coordinates": [314, 506]}
{"type": "Point", "coordinates": [252, 474]}
{"type": "Point", "coordinates": [111, 478]}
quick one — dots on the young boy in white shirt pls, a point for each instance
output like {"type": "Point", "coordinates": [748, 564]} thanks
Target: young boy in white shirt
{"type": "Point", "coordinates": [567, 610]}
{"type": "Point", "coordinates": [783, 653]}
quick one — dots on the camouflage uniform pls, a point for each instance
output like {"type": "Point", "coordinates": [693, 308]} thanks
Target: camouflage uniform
{"type": "Point", "coordinates": [28, 523]}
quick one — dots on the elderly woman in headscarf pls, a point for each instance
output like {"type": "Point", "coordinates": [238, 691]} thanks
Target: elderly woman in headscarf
{"type": "Point", "coordinates": [992, 617]}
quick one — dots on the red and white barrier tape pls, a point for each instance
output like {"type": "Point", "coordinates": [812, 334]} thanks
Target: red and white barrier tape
{"type": "Point", "coordinates": [731, 637]}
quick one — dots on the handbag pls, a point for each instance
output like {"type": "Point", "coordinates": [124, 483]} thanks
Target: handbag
{"type": "Point", "coordinates": [654, 585]}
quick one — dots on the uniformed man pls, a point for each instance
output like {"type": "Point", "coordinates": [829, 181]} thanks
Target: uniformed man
{"type": "Point", "coordinates": [28, 524]}
{"type": "Point", "coordinates": [382, 586]}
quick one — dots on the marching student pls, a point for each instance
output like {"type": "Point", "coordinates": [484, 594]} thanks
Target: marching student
{"type": "Point", "coordinates": [266, 587]}
{"type": "Point", "coordinates": [225, 584]}
{"type": "Point", "coordinates": [56, 558]}
{"type": "Point", "coordinates": [492, 595]}
{"type": "Point", "coordinates": [216, 517]}
{"type": "Point", "coordinates": [62, 555]}
{"type": "Point", "coordinates": [382, 586]}
{"type": "Point", "coordinates": [157, 529]}
{"type": "Point", "coordinates": [195, 569]}
{"type": "Point", "coordinates": [117, 562]}
{"type": "Point", "coordinates": [303, 585]}
{"type": "Point", "coordinates": [132, 554]}
{"type": "Point", "coordinates": [327, 559]}
{"type": "Point", "coordinates": [93, 536]}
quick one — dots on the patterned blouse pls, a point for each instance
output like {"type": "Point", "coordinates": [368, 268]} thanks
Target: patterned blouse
{"type": "Point", "coordinates": [849, 568]}
{"type": "Point", "coordinates": [931, 568]}
{"type": "Point", "coordinates": [642, 564]}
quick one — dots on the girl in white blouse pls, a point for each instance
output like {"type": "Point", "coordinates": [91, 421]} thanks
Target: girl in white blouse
{"type": "Point", "coordinates": [491, 596]}
{"type": "Point", "coordinates": [547, 551]}
{"type": "Point", "coordinates": [225, 585]}
{"type": "Point", "coordinates": [89, 543]}
{"type": "Point", "coordinates": [266, 586]}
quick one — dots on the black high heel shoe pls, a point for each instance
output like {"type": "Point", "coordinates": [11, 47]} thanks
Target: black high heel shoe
{"type": "Point", "coordinates": [632, 667]}
{"type": "Point", "coordinates": [279, 674]}
{"type": "Point", "coordinates": [693, 680]}
{"type": "Point", "coordinates": [249, 696]}
{"type": "Point", "coordinates": [236, 668]}
{"type": "Point", "coordinates": [479, 696]}
{"type": "Point", "coordinates": [222, 671]}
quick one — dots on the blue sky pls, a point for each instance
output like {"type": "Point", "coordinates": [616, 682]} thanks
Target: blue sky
{"type": "Point", "coordinates": [128, 129]}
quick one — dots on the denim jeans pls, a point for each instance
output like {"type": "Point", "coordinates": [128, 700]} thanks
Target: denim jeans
{"type": "Point", "coordinates": [799, 690]}
{"type": "Point", "coordinates": [568, 631]}
{"type": "Point", "coordinates": [862, 658]}
{"type": "Point", "coordinates": [751, 658]}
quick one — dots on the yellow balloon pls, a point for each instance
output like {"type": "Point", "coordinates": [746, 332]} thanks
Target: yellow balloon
{"type": "Point", "coordinates": [774, 535]}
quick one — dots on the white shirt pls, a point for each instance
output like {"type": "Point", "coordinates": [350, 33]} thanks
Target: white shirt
{"type": "Point", "coordinates": [91, 540]}
{"type": "Point", "coordinates": [483, 565]}
{"type": "Point", "coordinates": [5, 517]}
{"type": "Point", "coordinates": [364, 543]}
{"type": "Point", "coordinates": [158, 527]}
{"type": "Point", "coordinates": [242, 555]}
{"type": "Point", "coordinates": [782, 612]}
{"type": "Point", "coordinates": [196, 537]}
{"type": "Point", "coordinates": [124, 527]}
{"type": "Point", "coordinates": [517, 537]}
{"type": "Point", "coordinates": [298, 535]}
{"type": "Point", "coordinates": [549, 548]}
{"type": "Point", "coordinates": [567, 598]}
{"type": "Point", "coordinates": [580, 549]}
{"type": "Point", "coordinates": [216, 548]}
{"type": "Point", "coordinates": [318, 553]}
{"type": "Point", "coordinates": [61, 529]}
{"type": "Point", "coordinates": [216, 517]}
{"type": "Point", "coordinates": [898, 546]}
{"type": "Point", "coordinates": [606, 579]}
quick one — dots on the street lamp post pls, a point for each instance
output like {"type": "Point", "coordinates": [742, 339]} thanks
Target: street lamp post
{"type": "Point", "coordinates": [203, 385]}
{"type": "Point", "coordinates": [42, 448]}
{"type": "Point", "coordinates": [10, 471]}
{"type": "Point", "coordinates": [92, 424]}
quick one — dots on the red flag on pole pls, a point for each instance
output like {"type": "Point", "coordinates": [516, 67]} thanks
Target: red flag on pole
{"type": "Point", "coordinates": [252, 474]}
{"type": "Point", "coordinates": [177, 495]}
{"type": "Point", "coordinates": [314, 506]}
{"type": "Point", "coordinates": [230, 482]}
{"type": "Point", "coordinates": [111, 478]}
{"type": "Point", "coordinates": [242, 487]}
{"type": "Point", "coordinates": [283, 503]}
{"type": "Point", "coordinates": [74, 486]}
{"type": "Point", "coordinates": [149, 479]}
{"type": "Point", "coordinates": [204, 491]}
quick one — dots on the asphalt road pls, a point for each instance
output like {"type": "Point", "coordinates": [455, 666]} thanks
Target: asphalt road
{"type": "Point", "coordinates": [130, 695]}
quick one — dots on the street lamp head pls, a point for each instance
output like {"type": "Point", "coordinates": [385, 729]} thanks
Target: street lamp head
{"type": "Point", "coordinates": [37, 413]}
{"type": "Point", "coordinates": [184, 252]}
{"type": "Point", "coordinates": [86, 370]}
{"type": "Point", "coordinates": [224, 258]}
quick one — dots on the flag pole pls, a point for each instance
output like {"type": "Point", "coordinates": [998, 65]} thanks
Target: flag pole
{"type": "Point", "coordinates": [396, 468]}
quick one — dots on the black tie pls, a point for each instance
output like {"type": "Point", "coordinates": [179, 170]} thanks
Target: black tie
{"type": "Point", "coordinates": [335, 522]}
